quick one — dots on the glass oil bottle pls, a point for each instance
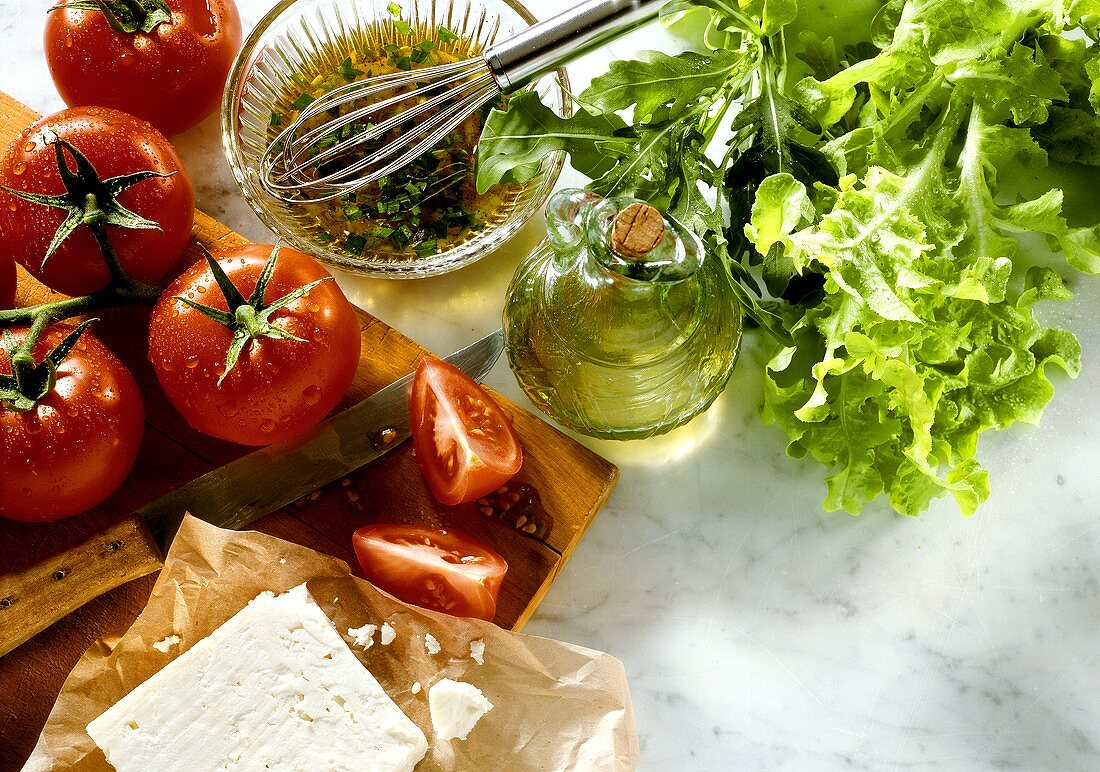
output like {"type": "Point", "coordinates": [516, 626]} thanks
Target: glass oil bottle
{"type": "Point", "coordinates": [619, 325]}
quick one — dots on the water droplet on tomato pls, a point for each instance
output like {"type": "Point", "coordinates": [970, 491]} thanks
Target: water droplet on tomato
{"type": "Point", "coordinates": [312, 395]}
{"type": "Point", "coordinates": [201, 289]}
{"type": "Point", "coordinates": [192, 362]}
{"type": "Point", "coordinates": [27, 492]}
{"type": "Point", "coordinates": [267, 426]}
{"type": "Point", "coordinates": [167, 365]}
{"type": "Point", "coordinates": [32, 427]}
{"type": "Point", "coordinates": [28, 147]}
{"type": "Point", "coordinates": [229, 409]}
{"type": "Point", "coordinates": [68, 40]}
{"type": "Point", "coordinates": [19, 168]}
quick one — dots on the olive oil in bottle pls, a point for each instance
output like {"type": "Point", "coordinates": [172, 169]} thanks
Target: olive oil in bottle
{"type": "Point", "coordinates": [619, 325]}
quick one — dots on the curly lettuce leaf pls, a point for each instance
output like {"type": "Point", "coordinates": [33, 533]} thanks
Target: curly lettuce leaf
{"type": "Point", "coordinates": [920, 344]}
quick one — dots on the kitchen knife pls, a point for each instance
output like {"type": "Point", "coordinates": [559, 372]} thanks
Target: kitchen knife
{"type": "Point", "coordinates": [231, 496]}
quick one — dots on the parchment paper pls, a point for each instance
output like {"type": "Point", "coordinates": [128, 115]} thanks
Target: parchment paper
{"type": "Point", "coordinates": [556, 706]}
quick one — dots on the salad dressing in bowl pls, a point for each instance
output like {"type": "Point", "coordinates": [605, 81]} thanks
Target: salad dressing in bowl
{"type": "Point", "coordinates": [424, 220]}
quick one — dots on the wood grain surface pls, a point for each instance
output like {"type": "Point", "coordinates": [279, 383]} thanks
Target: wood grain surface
{"type": "Point", "coordinates": [535, 523]}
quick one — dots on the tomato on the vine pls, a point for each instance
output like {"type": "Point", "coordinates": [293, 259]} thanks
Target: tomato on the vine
{"type": "Point", "coordinates": [440, 569]}
{"type": "Point", "coordinates": [254, 367]}
{"type": "Point", "coordinates": [149, 228]}
{"type": "Point", "coordinates": [465, 444]}
{"type": "Point", "coordinates": [71, 446]}
{"type": "Point", "coordinates": [164, 61]}
{"type": "Point", "coordinates": [7, 282]}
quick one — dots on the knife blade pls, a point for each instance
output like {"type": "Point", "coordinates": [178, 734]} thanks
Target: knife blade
{"type": "Point", "coordinates": [231, 496]}
{"type": "Point", "coordinates": [234, 495]}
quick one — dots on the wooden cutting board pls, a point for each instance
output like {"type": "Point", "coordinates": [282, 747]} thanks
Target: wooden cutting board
{"type": "Point", "coordinates": [536, 523]}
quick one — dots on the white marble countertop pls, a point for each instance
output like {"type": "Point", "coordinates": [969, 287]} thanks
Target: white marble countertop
{"type": "Point", "coordinates": [758, 631]}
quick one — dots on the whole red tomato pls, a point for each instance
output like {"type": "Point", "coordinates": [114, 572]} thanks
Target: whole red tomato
{"type": "Point", "coordinates": [116, 144]}
{"type": "Point", "coordinates": [76, 446]}
{"type": "Point", "coordinates": [441, 569]}
{"type": "Point", "coordinates": [7, 282]}
{"type": "Point", "coordinates": [172, 75]}
{"type": "Point", "coordinates": [278, 388]}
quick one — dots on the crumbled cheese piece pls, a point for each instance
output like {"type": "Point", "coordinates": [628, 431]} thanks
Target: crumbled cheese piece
{"type": "Point", "coordinates": [167, 643]}
{"type": "Point", "coordinates": [336, 599]}
{"type": "Point", "coordinates": [362, 636]}
{"type": "Point", "coordinates": [477, 651]}
{"type": "Point", "coordinates": [282, 561]}
{"type": "Point", "coordinates": [388, 633]}
{"type": "Point", "coordinates": [456, 707]}
{"type": "Point", "coordinates": [416, 687]}
{"type": "Point", "coordinates": [274, 688]}
{"type": "Point", "coordinates": [431, 644]}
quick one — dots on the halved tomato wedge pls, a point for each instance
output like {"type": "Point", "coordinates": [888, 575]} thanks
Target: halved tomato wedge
{"type": "Point", "coordinates": [439, 569]}
{"type": "Point", "coordinates": [465, 444]}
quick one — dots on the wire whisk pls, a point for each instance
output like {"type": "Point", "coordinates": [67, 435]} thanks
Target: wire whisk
{"type": "Point", "coordinates": [419, 108]}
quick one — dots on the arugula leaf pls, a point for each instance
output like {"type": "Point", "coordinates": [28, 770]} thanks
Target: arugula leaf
{"type": "Point", "coordinates": [514, 141]}
{"type": "Point", "coordinates": [656, 80]}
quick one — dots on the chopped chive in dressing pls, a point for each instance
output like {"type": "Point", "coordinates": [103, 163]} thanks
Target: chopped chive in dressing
{"type": "Point", "coordinates": [415, 212]}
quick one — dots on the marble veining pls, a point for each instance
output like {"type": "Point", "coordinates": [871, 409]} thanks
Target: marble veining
{"type": "Point", "coordinates": [760, 632]}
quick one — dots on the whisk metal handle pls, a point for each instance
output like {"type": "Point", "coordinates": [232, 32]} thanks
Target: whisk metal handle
{"type": "Point", "coordinates": [557, 41]}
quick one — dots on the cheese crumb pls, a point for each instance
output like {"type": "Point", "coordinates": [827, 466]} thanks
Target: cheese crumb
{"type": "Point", "coordinates": [167, 643]}
{"type": "Point", "coordinates": [336, 599]}
{"type": "Point", "coordinates": [282, 561]}
{"type": "Point", "coordinates": [477, 651]}
{"type": "Point", "coordinates": [388, 633]}
{"type": "Point", "coordinates": [456, 707]}
{"type": "Point", "coordinates": [363, 636]}
{"type": "Point", "coordinates": [431, 644]}
{"type": "Point", "coordinates": [416, 687]}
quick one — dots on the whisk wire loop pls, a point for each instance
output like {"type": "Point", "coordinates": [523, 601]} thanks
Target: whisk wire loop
{"type": "Point", "coordinates": [430, 131]}
{"type": "Point", "coordinates": [294, 169]}
{"type": "Point", "coordinates": [440, 98]}
{"type": "Point", "coordinates": [440, 76]}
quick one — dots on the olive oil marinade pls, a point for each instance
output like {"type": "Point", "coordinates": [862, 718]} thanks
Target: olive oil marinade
{"type": "Point", "coordinates": [426, 208]}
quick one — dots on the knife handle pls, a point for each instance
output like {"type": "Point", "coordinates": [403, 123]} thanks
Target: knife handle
{"type": "Point", "coordinates": [33, 599]}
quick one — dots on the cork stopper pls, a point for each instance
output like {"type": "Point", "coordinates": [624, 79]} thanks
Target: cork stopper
{"type": "Point", "coordinates": [637, 231]}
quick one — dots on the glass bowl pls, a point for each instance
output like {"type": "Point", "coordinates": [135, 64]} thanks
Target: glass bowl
{"type": "Point", "coordinates": [295, 36]}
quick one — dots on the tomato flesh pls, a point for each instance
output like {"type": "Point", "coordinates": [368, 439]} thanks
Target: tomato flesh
{"type": "Point", "coordinates": [75, 448]}
{"type": "Point", "coordinates": [464, 441]}
{"type": "Point", "coordinates": [440, 569]}
{"type": "Point", "coordinates": [171, 76]}
{"type": "Point", "coordinates": [278, 388]}
{"type": "Point", "coordinates": [116, 144]}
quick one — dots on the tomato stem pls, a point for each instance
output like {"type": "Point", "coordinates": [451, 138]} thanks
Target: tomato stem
{"type": "Point", "coordinates": [22, 358]}
{"type": "Point", "coordinates": [30, 382]}
{"type": "Point", "coordinates": [249, 318]}
{"type": "Point", "coordinates": [114, 295]}
{"type": "Point", "coordinates": [99, 230]}
{"type": "Point", "coordinates": [92, 202]}
{"type": "Point", "coordinates": [125, 16]}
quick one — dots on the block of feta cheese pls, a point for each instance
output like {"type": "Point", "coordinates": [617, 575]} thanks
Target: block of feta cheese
{"type": "Point", "coordinates": [274, 688]}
